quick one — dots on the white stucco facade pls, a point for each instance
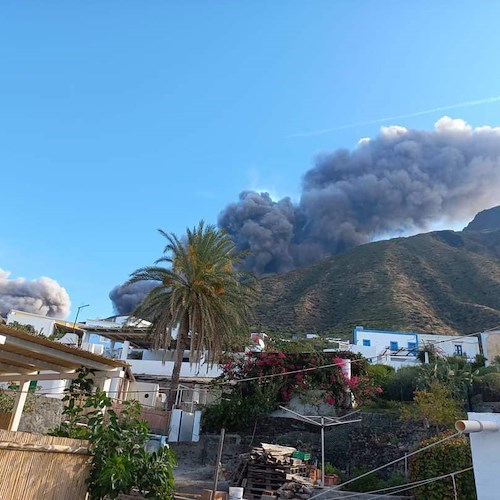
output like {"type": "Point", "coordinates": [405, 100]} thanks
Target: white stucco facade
{"type": "Point", "coordinates": [400, 349]}
{"type": "Point", "coordinates": [490, 341]}
{"type": "Point", "coordinates": [452, 345]}
{"type": "Point", "coordinates": [395, 349]}
{"type": "Point", "coordinates": [42, 324]}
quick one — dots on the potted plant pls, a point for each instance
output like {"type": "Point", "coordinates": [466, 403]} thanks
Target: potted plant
{"type": "Point", "coordinates": [331, 475]}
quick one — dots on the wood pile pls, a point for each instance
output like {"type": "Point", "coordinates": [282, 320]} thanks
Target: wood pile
{"type": "Point", "coordinates": [295, 489]}
{"type": "Point", "coordinates": [268, 468]}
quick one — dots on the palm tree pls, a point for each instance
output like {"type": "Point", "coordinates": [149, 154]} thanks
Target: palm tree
{"type": "Point", "coordinates": [202, 293]}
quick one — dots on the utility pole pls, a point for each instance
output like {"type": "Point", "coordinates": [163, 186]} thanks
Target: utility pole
{"type": "Point", "coordinates": [76, 319]}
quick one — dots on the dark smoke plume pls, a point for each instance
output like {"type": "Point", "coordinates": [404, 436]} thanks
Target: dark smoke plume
{"type": "Point", "coordinates": [40, 296]}
{"type": "Point", "coordinates": [401, 181]}
{"type": "Point", "coordinates": [126, 298]}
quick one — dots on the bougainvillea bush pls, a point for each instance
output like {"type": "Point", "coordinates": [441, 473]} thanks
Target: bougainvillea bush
{"type": "Point", "coordinates": [257, 383]}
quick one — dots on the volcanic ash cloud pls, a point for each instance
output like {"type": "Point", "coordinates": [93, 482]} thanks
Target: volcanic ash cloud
{"type": "Point", "coordinates": [403, 180]}
{"type": "Point", "coordinates": [43, 296]}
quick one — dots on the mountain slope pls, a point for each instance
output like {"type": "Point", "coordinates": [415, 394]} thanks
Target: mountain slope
{"type": "Point", "coordinates": [446, 282]}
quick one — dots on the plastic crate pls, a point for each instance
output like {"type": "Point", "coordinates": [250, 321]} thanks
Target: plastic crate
{"type": "Point", "coordinates": [303, 455]}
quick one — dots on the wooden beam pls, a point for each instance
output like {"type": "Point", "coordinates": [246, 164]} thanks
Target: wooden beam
{"type": "Point", "coordinates": [69, 375]}
{"type": "Point", "coordinates": [23, 351]}
{"type": "Point", "coordinates": [66, 375]}
{"type": "Point", "coordinates": [19, 402]}
{"type": "Point", "coordinates": [29, 362]}
{"type": "Point", "coordinates": [18, 364]}
{"type": "Point", "coordinates": [6, 367]}
{"type": "Point", "coordinates": [49, 354]}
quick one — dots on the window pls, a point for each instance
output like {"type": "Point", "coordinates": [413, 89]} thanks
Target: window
{"type": "Point", "coordinates": [394, 346]}
{"type": "Point", "coordinates": [367, 342]}
{"type": "Point", "coordinates": [458, 350]}
{"type": "Point", "coordinates": [412, 346]}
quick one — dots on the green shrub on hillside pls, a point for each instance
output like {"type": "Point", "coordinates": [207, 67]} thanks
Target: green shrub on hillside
{"type": "Point", "coordinates": [451, 456]}
{"type": "Point", "coordinates": [433, 406]}
{"type": "Point", "coordinates": [403, 384]}
{"type": "Point", "coordinates": [488, 386]}
{"type": "Point", "coordinates": [380, 376]}
{"type": "Point", "coordinates": [373, 482]}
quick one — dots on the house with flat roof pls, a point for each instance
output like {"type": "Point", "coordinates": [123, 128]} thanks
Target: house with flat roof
{"type": "Point", "coordinates": [399, 349]}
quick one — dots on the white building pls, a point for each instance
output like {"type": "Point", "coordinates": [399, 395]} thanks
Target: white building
{"type": "Point", "coordinates": [490, 342]}
{"type": "Point", "coordinates": [127, 338]}
{"type": "Point", "coordinates": [399, 349]}
{"type": "Point", "coordinates": [43, 325]}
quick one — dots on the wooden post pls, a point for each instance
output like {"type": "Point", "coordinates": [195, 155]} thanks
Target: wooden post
{"type": "Point", "coordinates": [322, 451]}
{"type": "Point", "coordinates": [106, 386]}
{"type": "Point", "coordinates": [218, 463]}
{"type": "Point", "coordinates": [19, 405]}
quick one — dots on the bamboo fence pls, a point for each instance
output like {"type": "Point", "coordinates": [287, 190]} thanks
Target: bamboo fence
{"type": "Point", "coordinates": [38, 467]}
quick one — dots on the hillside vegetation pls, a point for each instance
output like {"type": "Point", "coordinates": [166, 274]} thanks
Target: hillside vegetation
{"type": "Point", "coordinates": [442, 282]}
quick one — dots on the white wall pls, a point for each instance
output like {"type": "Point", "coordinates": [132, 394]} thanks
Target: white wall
{"type": "Point", "coordinates": [147, 367]}
{"type": "Point", "coordinates": [41, 324]}
{"type": "Point", "coordinates": [485, 447]}
{"type": "Point", "coordinates": [381, 340]}
{"type": "Point", "coordinates": [146, 393]}
{"type": "Point", "coordinates": [446, 344]}
{"type": "Point", "coordinates": [491, 345]}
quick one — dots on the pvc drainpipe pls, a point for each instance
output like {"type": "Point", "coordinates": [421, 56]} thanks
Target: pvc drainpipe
{"type": "Point", "coordinates": [467, 426]}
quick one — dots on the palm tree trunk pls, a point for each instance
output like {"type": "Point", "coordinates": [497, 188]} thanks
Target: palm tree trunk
{"type": "Point", "coordinates": [182, 338]}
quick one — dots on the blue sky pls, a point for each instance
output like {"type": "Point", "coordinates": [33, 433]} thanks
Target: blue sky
{"type": "Point", "coordinates": [117, 118]}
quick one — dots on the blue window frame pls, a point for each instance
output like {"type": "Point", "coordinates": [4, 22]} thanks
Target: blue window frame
{"type": "Point", "coordinates": [412, 347]}
{"type": "Point", "coordinates": [367, 342]}
{"type": "Point", "coordinates": [458, 350]}
{"type": "Point", "coordinates": [394, 346]}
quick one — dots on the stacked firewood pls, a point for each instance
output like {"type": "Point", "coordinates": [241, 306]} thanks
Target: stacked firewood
{"type": "Point", "coordinates": [295, 489]}
{"type": "Point", "coordinates": [266, 469]}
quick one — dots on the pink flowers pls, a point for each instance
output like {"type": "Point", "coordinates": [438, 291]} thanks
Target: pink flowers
{"type": "Point", "coordinates": [353, 383]}
{"type": "Point", "coordinates": [297, 377]}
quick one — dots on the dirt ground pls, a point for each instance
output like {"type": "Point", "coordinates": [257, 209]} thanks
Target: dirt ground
{"type": "Point", "coordinates": [193, 479]}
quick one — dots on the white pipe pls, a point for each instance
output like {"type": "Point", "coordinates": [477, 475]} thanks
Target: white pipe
{"type": "Point", "coordinates": [466, 426]}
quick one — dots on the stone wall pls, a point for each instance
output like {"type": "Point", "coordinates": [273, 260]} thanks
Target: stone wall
{"type": "Point", "coordinates": [376, 440]}
{"type": "Point", "coordinates": [42, 415]}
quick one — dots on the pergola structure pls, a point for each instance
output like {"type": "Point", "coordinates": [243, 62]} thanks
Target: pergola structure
{"type": "Point", "coordinates": [139, 337]}
{"type": "Point", "coordinates": [25, 357]}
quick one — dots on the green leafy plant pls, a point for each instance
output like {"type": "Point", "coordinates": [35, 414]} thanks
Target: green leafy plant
{"type": "Point", "coordinates": [402, 384]}
{"type": "Point", "coordinates": [488, 386]}
{"type": "Point", "coordinates": [8, 396]}
{"type": "Point", "coordinates": [117, 443]}
{"type": "Point", "coordinates": [330, 469]}
{"type": "Point", "coordinates": [434, 406]}
{"type": "Point", "coordinates": [381, 375]}
{"type": "Point", "coordinates": [374, 481]}
{"type": "Point", "coordinates": [450, 456]}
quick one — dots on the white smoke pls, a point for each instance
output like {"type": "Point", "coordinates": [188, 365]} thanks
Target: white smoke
{"type": "Point", "coordinates": [43, 296]}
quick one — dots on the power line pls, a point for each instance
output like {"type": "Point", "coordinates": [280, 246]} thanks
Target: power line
{"type": "Point", "coordinates": [388, 464]}
{"type": "Point", "coordinates": [320, 367]}
{"type": "Point", "coordinates": [408, 486]}
{"type": "Point", "coordinates": [431, 480]}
